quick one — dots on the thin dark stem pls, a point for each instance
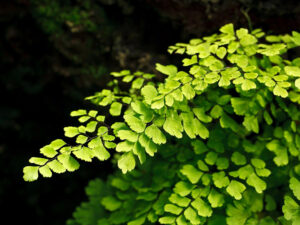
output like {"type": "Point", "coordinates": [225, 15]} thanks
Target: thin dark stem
{"type": "Point", "coordinates": [245, 13]}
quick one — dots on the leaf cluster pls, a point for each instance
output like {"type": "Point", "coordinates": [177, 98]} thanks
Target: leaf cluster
{"type": "Point", "coordinates": [217, 142]}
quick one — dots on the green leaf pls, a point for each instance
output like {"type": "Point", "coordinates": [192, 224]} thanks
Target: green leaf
{"type": "Point", "coordinates": [248, 85]}
{"type": "Point", "coordinates": [236, 215]}
{"type": "Point", "coordinates": [227, 29]}
{"type": "Point", "coordinates": [258, 163]}
{"type": "Point", "coordinates": [296, 37]}
{"type": "Point", "coordinates": [279, 91]}
{"type": "Point", "coordinates": [38, 161]}
{"type": "Point", "coordinates": [211, 158]}
{"type": "Point", "coordinates": [202, 49]}
{"type": "Point", "coordinates": [127, 78]}
{"type": "Point", "coordinates": [79, 112]}
{"type": "Point", "coordinates": [233, 46]}
{"type": "Point", "coordinates": [235, 189]}
{"type": "Point", "coordinates": [200, 114]}
{"type": "Point", "coordinates": [251, 123]}
{"type": "Point", "coordinates": [240, 105]}
{"type": "Point", "coordinates": [263, 172]}
{"type": "Point", "coordinates": [216, 199]}
{"type": "Point", "coordinates": [169, 100]}
{"type": "Point", "coordinates": [254, 181]}
{"type": "Point", "coordinates": [111, 203]}
{"type": "Point", "coordinates": [93, 113]}
{"type": "Point", "coordinates": [221, 52]}
{"type": "Point", "coordinates": [169, 70]}
{"type": "Point", "coordinates": [292, 70]}
{"type": "Point", "coordinates": [48, 151]}
{"type": "Point", "coordinates": [81, 129]}
{"type": "Point", "coordinates": [138, 83]}
{"type": "Point", "coordinates": [212, 77]}
{"type": "Point", "coordinates": [138, 221]}
{"type": "Point", "coordinates": [120, 183]}
{"type": "Point", "coordinates": [134, 123]}
{"type": "Point", "coordinates": [45, 171]}
{"type": "Point", "coordinates": [100, 118]}
{"type": "Point", "coordinates": [95, 142]}
{"type": "Point", "coordinates": [57, 144]}
{"type": "Point", "coordinates": [107, 137]}
{"type": "Point", "coordinates": [115, 108]}
{"type": "Point", "coordinates": [191, 173]}
{"type": "Point", "coordinates": [181, 220]}
{"type": "Point", "coordinates": [295, 187]}
{"type": "Point", "coordinates": [178, 200]}
{"type": "Point", "coordinates": [177, 95]}
{"type": "Point", "coordinates": [173, 125]}
{"type": "Point", "coordinates": [56, 166]}
{"type": "Point", "coordinates": [202, 166]}
{"type": "Point", "coordinates": [202, 207]}
{"type": "Point", "coordinates": [155, 134]}
{"type": "Point", "coordinates": [173, 209]}
{"type": "Point", "coordinates": [158, 104]}
{"type": "Point", "coordinates": [268, 118]}
{"type": "Point", "coordinates": [238, 159]}
{"type": "Point", "coordinates": [127, 135]}
{"type": "Point", "coordinates": [68, 162]}
{"type": "Point", "coordinates": [273, 38]}
{"type": "Point", "coordinates": [245, 171]}
{"type": "Point", "coordinates": [224, 81]}
{"type": "Point", "coordinates": [216, 112]}
{"type": "Point", "coordinates": [241, 60]}
{"type": "Point", "coordinates": [139, 151]}
{"type": "Point", "coordinates": [167, 220]}
{"type": "Point", "coordinates": [149, 92]}
{"type": "Point", "coordinates": [270, 203]}
{"type": "Point", "coordinates": [242, 32]}
{"type": "Point", "coordinates": [147, 196]}
{"type": "Point", "coordinates": [227, 122]}
{"type": "Point", "coordinates": [220, 180]}
{"type": "Point", "coordinates": [120, 74]}
{"type": "Point", "coordinates": [81, 139]}
{"type": "Point", "coordinates": [101, 153]}
{"type": "Point", "coordinates": [188, 91]}
{"type": "Point", "coordinates": [71, 131]}
{"type": "Point", "coordinates": [31, 173]}
{"type": "Point", "coordinates": [126, 162]}
{"type": "Point", "coordinates": [83, 119]}
{"type": "Point", "coordinates": [158, 206]}
{"type": "Point", "coordinates": [206, 179]}
{"type": "Point", "coordinates": [84, 153]}
{"type": "Point", "coordinates": [192, 216]}
{"type": "Point", "coordinates": [140, 108]}
{"type": "Point", "coordinates": [274, 145]}
{"type": "Point", "coordinates": [200, 129]}
{"type": "Point", "coordinates": [188, 62]}
{"type": "Point", "coordinates": [149, 146]}
{"type": "Point", "coordinates": [222, 163]}
{"type": "Point", "coordinates": [248, 39]}
{"type": "Point", "coordinates": [183, 188]}
{"type": "Point", "coordinates": [199, 147]}
{"type": "Point", "coordinates": [189, 124]}
{"type": "Point", "coordinates": [91, 126]}
{"type": "Point", "coordinates": [124, 146]}
{"type": "Point", "coordinates": [291, 210]}
{"type": "Point", "coordinates": [281, 158]}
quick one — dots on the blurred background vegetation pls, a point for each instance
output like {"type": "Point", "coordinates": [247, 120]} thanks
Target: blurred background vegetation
{"type": "Point", "coordinates": [54, 53]}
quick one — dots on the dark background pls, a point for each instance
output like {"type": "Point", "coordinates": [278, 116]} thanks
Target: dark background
{"type": "Point", "coordinates": [53, 53]}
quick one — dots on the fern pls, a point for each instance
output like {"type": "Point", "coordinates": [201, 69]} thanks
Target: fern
{"type": "Point", "coordinates": [222, 132]}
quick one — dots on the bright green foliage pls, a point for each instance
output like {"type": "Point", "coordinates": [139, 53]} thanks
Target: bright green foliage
{"type": "Point", "coordinates": [218, 142]}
